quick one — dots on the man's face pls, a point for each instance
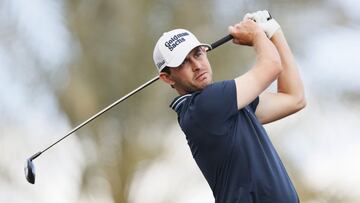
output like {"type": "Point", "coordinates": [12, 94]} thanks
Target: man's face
{"type": "Point", "coordinates": [193, 74]}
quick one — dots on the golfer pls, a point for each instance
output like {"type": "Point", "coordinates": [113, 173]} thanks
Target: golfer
{"type": "Point", "coordinates": [223, 120]}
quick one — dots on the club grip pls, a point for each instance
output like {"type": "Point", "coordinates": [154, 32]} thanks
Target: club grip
{"type": "Point", "coordinates": [221, 41]}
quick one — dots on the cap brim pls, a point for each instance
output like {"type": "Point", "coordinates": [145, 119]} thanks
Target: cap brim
{"type": "Point", "coordinates": [180, 57]}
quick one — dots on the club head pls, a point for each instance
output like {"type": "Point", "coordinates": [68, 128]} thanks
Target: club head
{"type": "Point", "coordinates": [30, 168]}
{"type": "Point", "coordinates": [29, 171]}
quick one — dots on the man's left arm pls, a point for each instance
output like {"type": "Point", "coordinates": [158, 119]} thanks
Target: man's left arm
{"type": "Point", "coordinates": [290, 96]}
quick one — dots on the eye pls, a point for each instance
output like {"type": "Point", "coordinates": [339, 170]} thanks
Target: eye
{"type": "Point", "coordinates": [199, 52]}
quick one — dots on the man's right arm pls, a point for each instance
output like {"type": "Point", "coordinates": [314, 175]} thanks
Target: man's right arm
{"type": "Point", "coordinates": [267, 67]}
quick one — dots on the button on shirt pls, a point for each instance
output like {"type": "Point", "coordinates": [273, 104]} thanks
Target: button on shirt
{"type": "Point", "coordinates": [231, 147]}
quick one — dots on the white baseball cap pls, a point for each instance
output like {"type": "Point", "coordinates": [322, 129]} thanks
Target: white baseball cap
{"type": "Point", "coordinates": [173, 47]}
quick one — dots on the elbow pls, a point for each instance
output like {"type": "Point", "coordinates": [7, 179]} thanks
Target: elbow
{"type": "Point", "coordinates": [300, 103]}
{"type": "Point", "coordinates": [303, 102]}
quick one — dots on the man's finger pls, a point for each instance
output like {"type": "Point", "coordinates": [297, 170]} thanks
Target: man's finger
{"type": "Point", "coordinates": [231, 29]}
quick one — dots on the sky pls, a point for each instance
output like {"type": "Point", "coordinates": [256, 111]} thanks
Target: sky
{"type": "Point", "coordinates": [323, 139]}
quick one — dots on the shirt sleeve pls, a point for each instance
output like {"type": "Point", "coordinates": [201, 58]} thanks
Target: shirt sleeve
{"type": "Point", "coordinates": [253, 105]}
{"type": "Point", "coordinates": [216, 103]}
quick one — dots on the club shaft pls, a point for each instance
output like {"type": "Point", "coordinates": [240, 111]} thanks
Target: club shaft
{"type": "Point", "coordinates": [213, 46]}
{"type": "Point", "coordinates": [104, 110]}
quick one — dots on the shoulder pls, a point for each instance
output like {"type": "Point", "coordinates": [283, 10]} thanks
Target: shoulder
{"type": "Point", "coordinates": [221, 86]}
{"type": "Point", "coordinates": [218, 90]}
{"type": "Point", "coordinates": [216, 99]}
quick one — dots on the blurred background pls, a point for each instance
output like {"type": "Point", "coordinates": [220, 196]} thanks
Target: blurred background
{"type": "Point", "coordinates": [63, 61]}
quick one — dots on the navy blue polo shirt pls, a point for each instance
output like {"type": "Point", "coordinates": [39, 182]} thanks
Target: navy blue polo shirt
{"type": "Point", "coordinates": [231, 147]}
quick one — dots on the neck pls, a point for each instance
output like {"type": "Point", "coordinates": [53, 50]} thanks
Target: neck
{"type": "Point", "coordinates": [181, 92]}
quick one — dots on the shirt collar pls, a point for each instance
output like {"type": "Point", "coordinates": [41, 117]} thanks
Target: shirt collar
{"type": "Point", "coordinates": [178, 101]}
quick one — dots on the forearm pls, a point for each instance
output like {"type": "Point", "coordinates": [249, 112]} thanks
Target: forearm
{"type": "Point", "coordinates": [268, 63]}
{"type": "Point", "coordinates": [267, 56]}
{"type": "Point", "coordinates": [267, 66]}
{"type": "Point", "coordinates": [289, 81]}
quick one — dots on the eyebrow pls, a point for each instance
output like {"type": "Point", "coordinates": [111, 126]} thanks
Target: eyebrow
{"type": "Point", "coordinates": [196, 49]}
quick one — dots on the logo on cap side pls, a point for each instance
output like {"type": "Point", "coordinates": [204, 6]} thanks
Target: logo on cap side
{"type": "Point", "coordinates": [160, 64]}
{"type": "Point", "coordinates": [176, 40]}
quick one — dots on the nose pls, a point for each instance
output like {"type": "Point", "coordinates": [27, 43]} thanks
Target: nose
{"type": "Point", "coordinates": [195, 64]}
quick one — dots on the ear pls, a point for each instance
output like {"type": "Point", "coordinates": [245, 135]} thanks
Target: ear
{"type": "Point", "coordinates": [166, 78]}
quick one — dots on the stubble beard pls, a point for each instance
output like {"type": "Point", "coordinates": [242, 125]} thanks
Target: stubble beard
{"type": "Point", "coordinates": [190, 88]}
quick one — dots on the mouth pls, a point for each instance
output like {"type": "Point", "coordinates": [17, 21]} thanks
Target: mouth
{"type": "Point", "coordinates": [201, 76]}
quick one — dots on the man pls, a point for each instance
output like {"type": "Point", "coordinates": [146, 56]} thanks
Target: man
{"type": "Point", "coordinates": [223, 121]}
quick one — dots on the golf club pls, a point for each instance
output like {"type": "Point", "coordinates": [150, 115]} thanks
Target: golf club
{"type": "Point", "coordinates": [29, 166]}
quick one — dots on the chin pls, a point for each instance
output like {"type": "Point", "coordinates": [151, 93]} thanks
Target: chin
{"type": "Point", "coordinates": [205, 83]}
{"type": "Point", "coordinates": [208, 81]}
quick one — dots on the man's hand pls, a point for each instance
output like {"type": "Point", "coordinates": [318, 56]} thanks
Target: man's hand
{"type": "Point", "coordinates": [246, 32]}
{"type": "Point", "coordinates": [265, 21]}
